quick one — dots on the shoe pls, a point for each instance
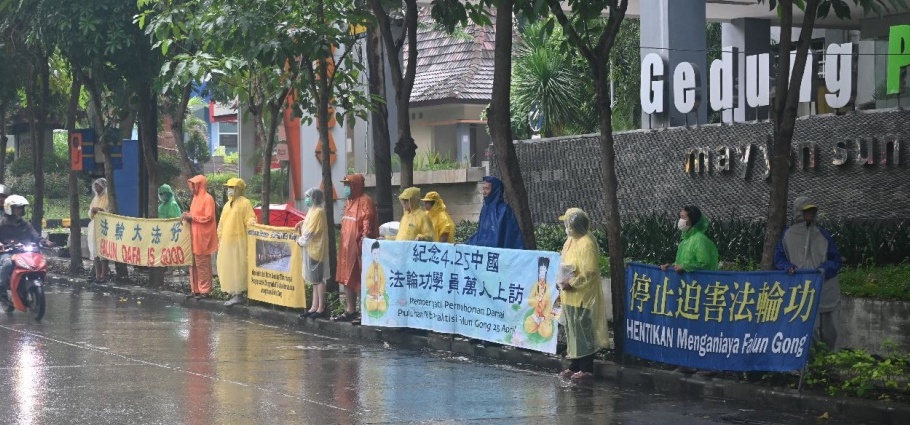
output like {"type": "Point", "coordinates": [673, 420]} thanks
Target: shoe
{"type": "Point", "coordinates": [190, 295]}
{"type": "Point", "coordinates": [566, 373]}
{"type": "Point", "coordinates": [306, 314]}
{"type": "Point", "coordinates": [201, 296]}
{"type": "Point", "coordinates": [237, 299]}
{"type": "Point", "coordinates": [319, 315]}
{"type": "Point", "coordinates": [581, 376]}
{"type": "Point", "coordinates": [345, 317]}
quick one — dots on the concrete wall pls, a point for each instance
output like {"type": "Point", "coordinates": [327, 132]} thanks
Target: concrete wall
{"type": "Point", "coordinates": [867, 323]}
{"type": "Point", "coordinates": [460, 190]}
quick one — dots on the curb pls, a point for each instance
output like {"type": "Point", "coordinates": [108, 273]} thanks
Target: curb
{"type": "Point", "coordinates": [647, 379]}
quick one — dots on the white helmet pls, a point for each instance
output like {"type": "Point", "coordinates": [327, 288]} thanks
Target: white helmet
{"type": "Point", "coordinates": [14, 201]}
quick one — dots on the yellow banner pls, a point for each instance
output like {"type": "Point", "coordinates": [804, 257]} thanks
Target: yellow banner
{"type": "Point", "coordinates": [276, 266]}
{"type": "Point", "coordinates": [142, 241]}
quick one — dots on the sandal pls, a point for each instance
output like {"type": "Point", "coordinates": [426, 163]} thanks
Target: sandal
{"type": "Point", "coordinates": [580, 376]}
{"type": "Point", "coordinates": [566, 373]}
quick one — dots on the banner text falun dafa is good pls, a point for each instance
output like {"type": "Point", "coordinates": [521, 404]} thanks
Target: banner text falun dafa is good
{"type": "Point", "coordinates": [275, 266]}
{"type": "Point", "coordinates": [505, 296]}
{"type": "Point", "coordinates": [143, 242]}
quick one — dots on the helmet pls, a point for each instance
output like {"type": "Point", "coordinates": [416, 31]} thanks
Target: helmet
{"type": "Point", "coordinates": [14, 201]}
{"type": "Point", "coordinates": [4, 190]}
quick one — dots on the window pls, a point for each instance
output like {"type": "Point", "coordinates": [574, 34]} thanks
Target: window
{"type": "Point", "coordinates": [227, 137]}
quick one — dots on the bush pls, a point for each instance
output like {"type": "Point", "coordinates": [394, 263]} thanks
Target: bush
{"type": "Point", "coordinates": [169, 168]}
{"type": "Point", "coordinates": [56, 185]}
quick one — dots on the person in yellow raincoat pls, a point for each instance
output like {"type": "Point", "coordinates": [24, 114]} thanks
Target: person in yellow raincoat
{"type": "Point", "coordinates": [415, 224]}
{"type": "Point", "coordinates": [443, 225]}
{"type": "Point", "coordinates": [236, 216]}
{"type": "Point", "coordinates": [581, 296]}
{"type": "Point", "coordinates": [375, 299]}
{"type": "Point", "coordinates": [541, 320]}
{"type": "Point", "coordinates": [314, 235]}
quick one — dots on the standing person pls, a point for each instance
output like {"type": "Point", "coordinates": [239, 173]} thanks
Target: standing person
{"type": "Point", "coordinates": [443, 225]}
{"type": "Point", "coordinates": [358, 222]}
{"type": "Point", "coordinates": [167, 203]}
{"type": "Point", "coordinates": [696, 251]}
{"type": "Point", "coordinates": [497, 227]}
{"type": "Point", "coordinates": [313, 230]}
{"type": "Point", "coordinates": [581, 296]}
{"type": "Point", "coordinates": [415, 224]}
{"type": "Point", "coordinates": [99, 204]}
{"type": "Point", "coordinates": [236, 216]}
{"type": "Point", "coordinates": [201, 219]}
{"type": "Point", "coordinates": [805, 245]}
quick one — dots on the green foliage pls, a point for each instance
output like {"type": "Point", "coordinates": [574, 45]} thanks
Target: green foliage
{"type": "Point", "coordinates": [464, 230]}
{"type": "Point", "coordinates": [432, 161]}
{"type": "Point", "coordinates": [232, 158]}
{"type": "Point", "coordinates": [169, 168]}
{"type": "Point", "coordinates": [197, 148]}
{"type": "Point", "coordinates": [884, 282]}
{"type": "Point", "coordinates": [858, 373]}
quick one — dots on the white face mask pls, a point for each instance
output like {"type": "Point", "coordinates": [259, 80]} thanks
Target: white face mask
{"type": "Point", "coordinates": [161, 197]}
{"type": "Point", "coordinates": [568, 232]}
{"type": "Point", "coordinates": [230, 193]}
{"type": "Point", "coordinates": [683, 225]}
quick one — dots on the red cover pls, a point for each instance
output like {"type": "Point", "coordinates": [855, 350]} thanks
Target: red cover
{"type": "Point", "coordinates": [282, 215]}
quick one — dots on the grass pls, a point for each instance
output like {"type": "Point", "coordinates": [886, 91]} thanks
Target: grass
{"type": "Point", "coordinates": [883, 282]}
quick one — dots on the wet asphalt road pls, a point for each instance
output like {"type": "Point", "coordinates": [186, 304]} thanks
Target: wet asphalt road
{"type": "Point", "coordinates": [103, 359]}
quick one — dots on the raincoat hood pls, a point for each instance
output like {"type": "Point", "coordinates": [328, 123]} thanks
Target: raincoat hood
{"type": "Point", "coordinates": [799, 205]}
{"type": "Point", "coordinates": [166, 192]}
{"type": "Point", "coordinates": [100, 182]}
{"type": "Point", "coordinates": [438, 205]}
{"type": "Point", "coordinates": [700, 227]}
{"type": "Point", "coordinates": [238, 185]}
{"type": "Point", "coordinates": [496, 192]}
{"type": "Point", "coordinates": [412, 195]}
{"type": "Point", "coordinates": [356, 181]}
{"type": "Point", "coordinates": [577, 222]}
{"type": "Point", "coordinates": [317, 196]}
{"type": "Point", "coordinates": [201, 184]}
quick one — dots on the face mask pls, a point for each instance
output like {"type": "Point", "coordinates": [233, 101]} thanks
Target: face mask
{"type": "Point", "coordinates": [683, 225]}
{"type": "Point", "coordinates": [162, 197]}
{"type": "Point", "coordinates": [230, 193]}
{"type": "Point", "coordinates": [308, 202]}
{"type": "Point", "coordinates": [347, 191]}
{"type": "Point", "coordinates": [568, 232]}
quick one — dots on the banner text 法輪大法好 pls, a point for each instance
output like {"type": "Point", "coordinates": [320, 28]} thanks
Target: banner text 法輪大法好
{"type": "Point", "coordinates": [143, 242]}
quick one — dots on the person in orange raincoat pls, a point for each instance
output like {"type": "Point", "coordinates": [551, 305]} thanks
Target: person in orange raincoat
{"type": "Point", "coordinates": [359, 221]}
{"type": "Point", "coordinates": [201, 219]}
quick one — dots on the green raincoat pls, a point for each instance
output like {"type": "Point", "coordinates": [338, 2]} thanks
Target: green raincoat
{"type": "Point", "coordinates": [167, 203]}
{"type": "Point", "coordinates": [696, 251]}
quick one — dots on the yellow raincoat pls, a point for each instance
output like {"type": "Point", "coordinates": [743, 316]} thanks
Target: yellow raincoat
{"type": "Point", "coordinates": [313, 230]}
{"type": "Point", "coordinates": [414, 225]}
{"type": "Point", "coordinates": [442, 221]}
{"type": "Point", "coordinates": [581, 296]}
{"type": "Point", "coordinates": [236, 215]}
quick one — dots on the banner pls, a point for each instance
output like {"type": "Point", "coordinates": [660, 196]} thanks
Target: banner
{"type": "Point", "coordinates": [276, 266]}
{"type": "Point", "coordinates": [143, 241]}
{"type": "Point", "coordinates": [499, 295]}
{"type": "Point", "coordinates": [736, 321]}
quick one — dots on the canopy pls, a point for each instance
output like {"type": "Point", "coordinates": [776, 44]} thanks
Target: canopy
{"type": "Point", "coordinates": [282, 215]}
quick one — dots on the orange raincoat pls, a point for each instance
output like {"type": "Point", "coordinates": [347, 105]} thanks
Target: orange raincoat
{"type": "Point", "coordinates": [202, 210]}
{"type": "Point", "coordinates": [359, 221]}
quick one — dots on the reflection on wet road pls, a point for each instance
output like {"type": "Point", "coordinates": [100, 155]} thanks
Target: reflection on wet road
{"type": "Point", "coordinates": [103, 359]}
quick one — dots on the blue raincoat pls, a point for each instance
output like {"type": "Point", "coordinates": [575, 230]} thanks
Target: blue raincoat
{"type": "Point", "coordinates": [498, 227]}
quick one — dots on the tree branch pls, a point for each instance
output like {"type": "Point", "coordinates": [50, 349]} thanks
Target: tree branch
{"type": "Point", "coordinates": [569, 30]}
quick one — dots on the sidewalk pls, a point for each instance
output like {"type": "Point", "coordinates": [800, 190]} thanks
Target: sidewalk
{"type": "Point", "coordinates": [647, 379]}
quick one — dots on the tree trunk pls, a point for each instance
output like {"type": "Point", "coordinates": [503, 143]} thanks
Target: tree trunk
{"type": "Point", "coordinates": [322, 119]}
{"type": "Point", "coordinates": [38, 97]}
{"type": "Point", "coordinates": [3, 141]}
{"type": "Point", "coordinates": [75, 246]}
{"type": "Point", "coordinates": [500, 124]}
{"type": "Point", "coordinates": [611, 204]}
{"type": "Point", "coordinates": [783, 116]}
{"type": "Point", "coordinates": [148, 140]}
{"type": "Point", "coordinates": [382, 154]}
{"type": "Point", "coordinates": [274, 116]}
{"type": "Point", "coordinates": [178, 119]}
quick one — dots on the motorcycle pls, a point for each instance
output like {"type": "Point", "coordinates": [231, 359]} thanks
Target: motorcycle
{"type": "Point", "coordinates": [26, 291]}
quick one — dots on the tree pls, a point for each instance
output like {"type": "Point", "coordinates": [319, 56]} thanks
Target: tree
{"type": "Point", "coordinates": [450, 13]}
{"type": "Point", "coordinates": [382, 155]}
{"type": "Point", "coordinates": [786, 98]}
{"type": "Point", "coordinates": [594, 39]}
{"type": "Point", "coordinates": [403, 75]}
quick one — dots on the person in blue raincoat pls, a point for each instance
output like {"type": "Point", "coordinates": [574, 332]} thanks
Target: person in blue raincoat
{"type": "Point", "coordinates": [498, 227]}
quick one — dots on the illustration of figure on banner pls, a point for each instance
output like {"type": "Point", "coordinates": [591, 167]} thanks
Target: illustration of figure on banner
{"type": "Point", "coordinates": [539, 321]}
{"type": "Point", "coordinates": [377, 300]}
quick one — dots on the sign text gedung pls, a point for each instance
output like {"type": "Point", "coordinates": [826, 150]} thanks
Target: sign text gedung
{"type": "Point", "coordinates": [861, 151]}
{"type": "Point", "coordinates": [839, 78]}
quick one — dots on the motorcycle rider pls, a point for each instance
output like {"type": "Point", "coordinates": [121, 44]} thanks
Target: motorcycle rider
{"type": "Point", "coordinates": [14, 229]}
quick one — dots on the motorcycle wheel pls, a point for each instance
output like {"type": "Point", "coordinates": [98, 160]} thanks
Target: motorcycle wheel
{"type": "Point", "coordinates": [36, 302]}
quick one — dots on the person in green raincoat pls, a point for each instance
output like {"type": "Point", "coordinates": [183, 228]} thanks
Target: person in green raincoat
{"type": "Point", "coordinates": [167, 203]}
{"type": "Point", "coordinates": [581, 296]}
{"type": "Point", "coordinates": [696, 251]}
